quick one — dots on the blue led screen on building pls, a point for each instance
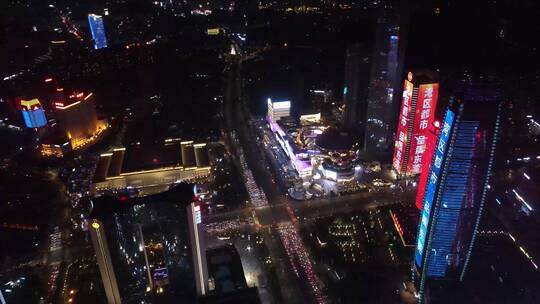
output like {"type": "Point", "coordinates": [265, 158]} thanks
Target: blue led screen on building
{"type": "Point", "coordinates": [432, 185]}
{"type": "Point", "coordinates": [446, 232]}
{"type": "Point", "coordinates": [34, 118]}
{"type": "Point", "coordinates": [98, 31]}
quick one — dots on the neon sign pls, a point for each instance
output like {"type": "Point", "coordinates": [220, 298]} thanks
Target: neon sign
{"type": "Point", "coordinates": [401, 135]}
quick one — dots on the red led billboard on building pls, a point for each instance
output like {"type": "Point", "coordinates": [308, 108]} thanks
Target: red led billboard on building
{"type": "Point", "coordinates": [403, 124]}
{"type": "Point", "coordinates": [423, 121]}
{"type": "Point", "coordinates": [426, 164]}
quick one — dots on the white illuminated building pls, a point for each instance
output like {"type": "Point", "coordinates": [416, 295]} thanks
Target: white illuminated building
{"type": "Point", "coordinates": [278, 109]}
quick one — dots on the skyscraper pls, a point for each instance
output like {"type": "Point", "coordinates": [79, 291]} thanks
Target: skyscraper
{"type": "Point", "coordinates": [98, 31]}
{"type": "Point", "coordinates": [385, 70]}
{"type": "Point", "coordinates": [198, 248]}
{"type": "Point", "coordinates": [457, 185]}
{"type": "Point", "coordinates": [355, 88]}
{"type": "Point", "coordinates": [33, 114]}
{"type": "Point", "coordinates": [414, 134]}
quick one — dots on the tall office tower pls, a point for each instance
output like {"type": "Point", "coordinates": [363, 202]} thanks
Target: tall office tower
{"type": "Point", "coordinates": [457, 185]}
{"type": "Point", "coordinates": [78, 118]}
{"type": "Point", "coordinates": [198, 248]}
{"type": "Point", "coordinates": [98, 31]}
{"type": "Point", "coordinates": [355, 89]}
{"type": "Point", "coordinates": [33, 114]}
{"type": "Point", "coordinates": [386, 65]}
{"type": "Point", "coordinates": [414, 133]}
{"type": "Point", "coordinates": [278, 109]}
{"type": "Point", "coordinates": [143, 246]}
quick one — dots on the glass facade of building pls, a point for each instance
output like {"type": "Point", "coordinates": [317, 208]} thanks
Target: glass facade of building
{"type": "Point", "coordinates": [98, 31]}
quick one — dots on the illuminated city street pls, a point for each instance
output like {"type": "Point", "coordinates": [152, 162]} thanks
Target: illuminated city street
{"type": "Point", "coordinates": [273, 152]}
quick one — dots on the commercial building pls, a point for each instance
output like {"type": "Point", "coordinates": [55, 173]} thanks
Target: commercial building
{"type": "Point", "coordinates": [77, 117]}
{"type": "Point", "coordinates": [143, 247]}
{"type": "Point", "coordinates": [298, 156]}
{"type": "Point", "coordinates": [33, 113]}
{"type": "Point", "coordinates": [52, 150]}
{"type": "Point", "coordinates": [309, 145]}
{"type": "Point", "coordinates": [278, 109]}
{"type": "Point", "coordinates": [457, 186]}
{"type": "Point", "coordinates": [337, 155]}
{"type": "Point", "coordinates": [98, 31]}
{"type": "Point", "coordinates": [147, 169]}
{"type": "Point", "coordinates": [415, 127]}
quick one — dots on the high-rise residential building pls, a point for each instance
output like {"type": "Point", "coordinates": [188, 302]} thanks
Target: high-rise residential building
{"type": "Point", "coordinates": [98, 31]}
{"type": "Point", "coordinates": [355, 89]}
{"type": "Point", "coordinates": [414, 134]}
{"type": "Point", "coordinates": [33, 113]}
{"type": "Point", "coordinates": [278, 109]}
{"type": "Point", "coordinates": [383, 75]}
{"type": "Point", "coordinates": [457, 185]}
{"type": "Point", "coordinates": [143, 246]}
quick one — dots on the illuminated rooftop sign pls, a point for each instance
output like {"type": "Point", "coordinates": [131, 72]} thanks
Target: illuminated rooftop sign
{"type": "Point", "coordinates": [281, 105]}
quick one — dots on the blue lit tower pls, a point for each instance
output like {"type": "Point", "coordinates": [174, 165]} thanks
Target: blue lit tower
{"type": "Point", "coordinates": [98, 31]}
{"type": "Point", "coordinates": [33, 114]}
{"type": "Point", "coordinates": [457, 185]}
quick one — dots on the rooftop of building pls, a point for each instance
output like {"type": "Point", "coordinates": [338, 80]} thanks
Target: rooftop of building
{"type": "Point", "coordinates": [248, 295]}
{"type": "Point", "coordinates": [138, 158]}
{"type": "Point", "coordinates": [225, 267]}
{"type": "Point", "coordinates": [423, 76]}
{"type": "Point", "coordinates": [106, 205]}
{"type": "Point", "coordinates": [149, 157]}
{"type": "Point", "coordinates": [335, 140]}
{"type": "Point", "coordinates": [498, 272]}
{"type": "Point", "coordinates": [406, 219]}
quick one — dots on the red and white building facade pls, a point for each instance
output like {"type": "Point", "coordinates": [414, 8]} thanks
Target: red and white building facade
{"type": "Point", "coordinates": [415, 135]}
